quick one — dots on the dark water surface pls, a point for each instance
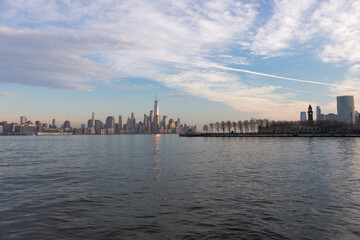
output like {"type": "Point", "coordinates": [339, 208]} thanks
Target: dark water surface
{"type": "Point", "coordinates": [167, 187]}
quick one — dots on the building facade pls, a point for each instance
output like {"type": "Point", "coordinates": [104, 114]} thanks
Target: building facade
{"type": "Point", "coordinates": [346, 109]}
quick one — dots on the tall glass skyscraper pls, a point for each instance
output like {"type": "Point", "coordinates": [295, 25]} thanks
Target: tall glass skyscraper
{"type": "Point", "coordinates": [346, 109]}
{"type": "Point", "coordinates": [156, 111]}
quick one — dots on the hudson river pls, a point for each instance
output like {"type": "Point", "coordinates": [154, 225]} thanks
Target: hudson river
{"type": "Point", "coordinates": [167, 187]}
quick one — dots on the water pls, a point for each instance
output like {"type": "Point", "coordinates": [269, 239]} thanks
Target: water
{"type": "Point", "coordinates": [167, 187]}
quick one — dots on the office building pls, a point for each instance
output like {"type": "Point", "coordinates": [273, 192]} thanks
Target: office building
{"type": "Point", "coordinates": [110, 122]}
{"type": "Point", "coordinates": [156, 112]}
{"type": "Point", "coordinates": [23, 120]}
{"type": "Point", "coordinates": [66, 125]}
{"type": "Point", "coordinates": [303, 116]}
{"type": "Point", "coordinates": [319, 115]}
{"type": "Point", "coordinates": [332, 117]}
{"type": "Point", "coordinates": [346, 109]}
{"type": "Point", "coordinates": [120, 123]}
{"type": "Point", "coordinates": [93, 120]}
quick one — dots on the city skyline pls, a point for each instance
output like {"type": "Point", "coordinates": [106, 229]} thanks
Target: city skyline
{"type": "Point", "coordinates": [151, 124]}
{"type": "Point", "coordinates": [206, 60]}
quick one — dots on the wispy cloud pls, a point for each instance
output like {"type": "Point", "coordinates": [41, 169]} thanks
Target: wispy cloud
{"type": "Point", "coordinates": [178, 95]}
{"type": "Point", "coordinates": [189, 46]}
{"type": "Point", "coordinates": [7, 94]}
{"type": "Point", "coordinates": [133, 86]}
{"type": "Point", "coordinates": [273, 76]}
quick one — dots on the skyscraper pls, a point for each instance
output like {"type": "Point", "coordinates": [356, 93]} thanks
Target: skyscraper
{"type": "Point", "coordinates": [319, 115]}
{"type": "Point", "coordinates": [318, 111]}
{"type": "Point", "coordinates": [110, 122]}
{"type": "Point", "coordinates": [120, 122]}
{"type": "Point", "coordinates": [23, 119]}
{"type": "Point", "coordinates": [303, 116]}
{"type": "Point", "coordinates": [151, 116]}
{"type": "Point", "coordinates": [67, 125]}
{"type": "Point", "coordinates": [156, 112]}
{"type": "Point", "coordinates": [53, 123]}
{"type": "Point", "coordinates": [133, 121]}
{"type": "Point", "coordinates": [93, 120]}
{"type": "Point", "coordinates": [346, 109]}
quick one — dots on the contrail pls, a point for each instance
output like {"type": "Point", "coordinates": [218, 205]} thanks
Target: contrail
{"type": "Point", "coordinates": [273, 76]}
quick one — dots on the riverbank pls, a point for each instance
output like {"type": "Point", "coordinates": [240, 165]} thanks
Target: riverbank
{"type": "Point", "coordinates": [269, 135]}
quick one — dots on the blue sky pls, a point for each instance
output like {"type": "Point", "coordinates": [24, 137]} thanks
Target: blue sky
{"type": "Point", "coordinates": [206, 60]}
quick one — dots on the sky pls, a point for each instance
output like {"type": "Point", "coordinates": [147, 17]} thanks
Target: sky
{"type": "Point", "coordinates": [206, 61]}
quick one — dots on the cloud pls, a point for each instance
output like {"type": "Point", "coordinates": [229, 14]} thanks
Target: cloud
{"type": "Point", "coordinates": [178, 95]}
{"type": "Point", "coordinates": [282, 28]}
{"type": "Point", "coordinates": [349, 86]}
{"type": "Point", "coordinates": [189, 46]}
{"type": "Point", "coordinates": [339, 21]}
{"type": "Point", "coordinates": [133, 87]}
{"type": "Point", "coordinates": [273, 76]}
{"type": "Point", "coordinates": [7, 94]}
{"type": "Point", "coordinates": [56, 58]}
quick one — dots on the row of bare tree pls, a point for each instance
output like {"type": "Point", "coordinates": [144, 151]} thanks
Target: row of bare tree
{"type": "Point", "coordinates": [246, 126]}
{"type": "Point", "coordinates": [265, 126]}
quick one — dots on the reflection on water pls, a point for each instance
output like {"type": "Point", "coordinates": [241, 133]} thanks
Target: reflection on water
{"type": "Point", "coordinates": [166, 187]}
{"type": "Point", "coordinates": [156, 144]}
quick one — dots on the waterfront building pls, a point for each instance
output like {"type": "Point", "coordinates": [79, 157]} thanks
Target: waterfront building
{"type": "Point", "coordinates": [120, 123]}
{"type": "Point", "coordinates": [165, 122]}
{"type": "Point", "coordinates": [53, 123]}
{"type": "Point", "coordinates": [133, 121]}
{"type": "Point", "coordinates": [23, 120]}
{"type": "Point", "coordinates": [1, 130]}
{"type": "Point", "coordinates": [27, 129]}
{"type": "Point", "coordinates": [93, 120]}
{"type": "Point", "coordinates": [146, 120]}
{"type": "Point", "coordinates": [318, 111]}
{"type": "Point", "coordinates": [98, 125]}
{"type": "Point", "coordinates": [357, 117]}
{"type": "Point", "coordinates": [151, 116]}
{"type": "Point", "coordinates": [6, 127]}
{"type": "Point", "coordinates": [310, 113]}
{"type": "Point", "coordinates": [303, 116]}
{"type": "Point", "coordinates": [156, 112]}
{"type": "Point", "coordinates": [346, 109]}
{"type": "Point", "coordinates": [67, 125]}
{"type": "Point", "coordinates": [89, 123]}
{"type": "Point", "coordinates": [319, 115]}
{"type": "Point", "coordinates": [110, 122]}
{"type": "Point", "coordinates": [332, 117]}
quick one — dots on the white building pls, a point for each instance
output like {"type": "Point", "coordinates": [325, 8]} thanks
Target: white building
{"type": "Point", "coordinates": [346, 109]}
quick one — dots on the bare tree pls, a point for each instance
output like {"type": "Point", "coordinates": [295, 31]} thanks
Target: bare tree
{"type": "Point", "coordinates": [234, 125]}
{"type": "Point", "coordinates": [223, 126]}
{"type": "Point", "coordinates": [211, 125]}
{"type": "Point", "coordinates": [246, 126]}
{"type": "Point", "coordinates": [217, 126]}
{"type": "Point", "coordinates": [228, 125]}
{"type": "Point", "coordinates": [205, 128]}
{"type": "Point", "coordinates": [240, 126]}
{"type": "Point", "coordinates": [266, 122]}
{"type": "Point", "coordinates": [252, 124]}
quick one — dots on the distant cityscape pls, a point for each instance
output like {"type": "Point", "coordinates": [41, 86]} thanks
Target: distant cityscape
{"type": "Point", "coordinates": [346, 121]}
{"type": "Point", "coordinates": [345, 112]}
{"type": "Point", "coordinates": [151, 124]}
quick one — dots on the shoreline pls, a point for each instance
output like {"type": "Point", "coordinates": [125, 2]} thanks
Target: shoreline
{"type": "Point", "coordinates": [270, 135]}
